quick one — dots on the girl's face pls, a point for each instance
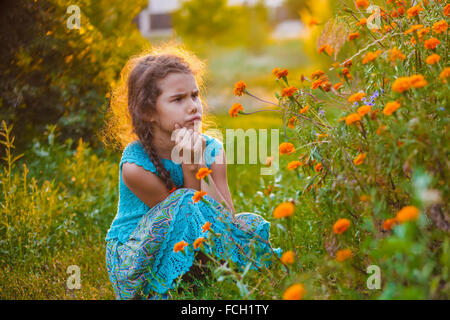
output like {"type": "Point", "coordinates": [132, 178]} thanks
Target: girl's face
{"type": "Point", "coordinates": [179, 103]}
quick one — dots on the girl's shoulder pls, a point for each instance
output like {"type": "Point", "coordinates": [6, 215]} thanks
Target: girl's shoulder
{"type": "Point", "coordinates": [134, 152]}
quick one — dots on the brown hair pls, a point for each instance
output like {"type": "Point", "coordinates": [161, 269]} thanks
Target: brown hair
{"type": "Point", "coordinates": [135, 95]}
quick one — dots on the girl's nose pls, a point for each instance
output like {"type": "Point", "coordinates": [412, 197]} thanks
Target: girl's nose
{"type": "Point", "coordinates": [192, 108]}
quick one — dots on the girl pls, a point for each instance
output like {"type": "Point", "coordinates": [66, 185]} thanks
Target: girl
{"type": "Point", "coordinates": [160, 224]}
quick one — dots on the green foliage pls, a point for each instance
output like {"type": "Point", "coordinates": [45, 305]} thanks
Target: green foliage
{"type": "Point", "coordinates": [51, 74]}
{"type": "Point", "coordinates": [200, 23]}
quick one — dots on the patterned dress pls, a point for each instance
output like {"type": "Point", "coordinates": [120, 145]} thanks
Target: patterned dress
{"type": "Point", "coordinates": [140, 255]}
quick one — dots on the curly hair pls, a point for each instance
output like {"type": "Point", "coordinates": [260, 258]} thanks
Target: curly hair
{"type": "Point", "coordinates": [134, 98]}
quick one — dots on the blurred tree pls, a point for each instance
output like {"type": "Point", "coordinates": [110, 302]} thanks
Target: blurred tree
{"type": "Point", "coordinates": [200, 23]}
{"type": "Point", "coordinates": [50, 74]}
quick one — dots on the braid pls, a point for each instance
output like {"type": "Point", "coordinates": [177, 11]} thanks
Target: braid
{"type": "Point", "coordinates": [146, 139]}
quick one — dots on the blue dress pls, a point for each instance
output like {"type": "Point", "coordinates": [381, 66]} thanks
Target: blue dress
{"type": "Point", "coordinates": [140, 255]}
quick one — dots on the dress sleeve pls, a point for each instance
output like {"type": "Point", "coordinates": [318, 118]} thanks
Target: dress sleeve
{"type": "Point", "coordinates": [135, 153]}
{"type": "Point", "coordinates": [213, 147]}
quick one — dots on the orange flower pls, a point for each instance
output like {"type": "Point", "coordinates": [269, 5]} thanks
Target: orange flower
{"type": "Point", "coordinates": [434, 58]}
{"type": "Point", "coordinates": [318, 167]}
{"type": "Point", "coordinates": [444, 74]}
{"type": "Point", "coordinates": [365, 198]}
{"type": "Point", "coordinates": [312, 22]}
{"type": "Point", "coordinates": [337, 86]}
{"type": "Point", "coordinates": [294, 292]}
{"type": "Point", "coordinates": [353, 36]}
{"type": "Point", "coordinates": [396, 54]}
{"type": "Point", "coordinates": [286, 148]}
{"type": "Point", "coordinates": [414, 11]}
{"type": "Point", "coordinates": [431, 43]}
{"type": "Point", "coordinates": [356, 97]}
{"type": "Point", "coordinates": [401, 10]}
{"type": "Point", "coordinates": [294, 164]}
{"type": "Point", "coordinates": [239, 88]}
{"type": "Point", "coordinates": [362, 3]}
{"type": "Point", "coordinates": [317, 74]}
{"type": "Point", "coordinates": [288, 257]}
{"type": "Point", "coordinates": [206, 226]}
{"type": "Point", "coordinates": [198, 196]}
{"type": "Point", "coordinates": [408, 213]}
{"type": "Point", "coordinates": [414, 28]}
{"type": "Point", "coordinates": [362, 111]}
{"type": "Point", "coordinates": [401, 84]}
{"type": "Point", "coordinates": [389, 224]}
{"type": "Point", "coordinates": [234, 110]}
{"type": "Point", "coordinates": [359, 159]}
{"type": "Point", "coordinates": [440, 27]}
{"type": "Point", "coordinates": [362, 22]}
{"type": "Point", "coordinates": [291, 122]}
{"type": "Point", "coordinates": [327, 48]}
{"type": "Point", "coordinates": [381, 129]}
{"type": "Point", "coordinates": [179, 246]}
{"type": "Point", "coordinates": [303, 110]}
{"type": "Point", "coordinates": [288, 92]}
{"type": "Point", "coordinates": [418, 81]}
{"type": "Point", "coordinates": [447, 10]}
{"type": "Point", "coordinates": [198, 242]}
{"type": "Point", "coordinates": [283, 210]}
{"type": "Point", "coordinates": [280, 73]}
{"type": "Point", "coordinates": [343, 255]}
{"type": "Point", "coordinates": [351, 118]}
{"type": "Point", "coordinates": [202, 173]}
{"type": "Point", "coordinates": [391, 107]}
{"type": "Point", "coordinates": [341, 226]}
{"type": "Point", "coordinates": [370, 56]}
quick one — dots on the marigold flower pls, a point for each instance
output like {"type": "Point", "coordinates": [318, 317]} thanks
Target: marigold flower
{"type": "Point", "coordinates": [414, 11]}
{"type": "Point", "coordinates": [444, 74]}
{"type": "Point", "coordinates": [288, 257]}
{"type": "Point", "coordinates": [365, 198]}
{"type": "Point", "coordinates": [312, 22]}
{"type": "Point", "coordinates": [388, 224]}
{"type": "Point", "coordinates": [396, 54]}
{"type": "Point", "coordinates": [418, 81]}
{"type": "Point", "coordinates": [440, 27]}
{"type": "Point", "coordinates": [317, 74]}
{"type": "Point", "coordinates": [286, 148]}
{"type": "Point", "coordinates": [202, 173]}
{"type": "Point", "coordinates": [447, 10]}
{"type": "Point", "coordinates": [401, 10]}
{"type": "Point", "coordinates": [206, 226]}
{"type": "Point", "coordinates": [283, 210]}
{"type": "Point", "coordinates": [198, 242]}
{"type": "Point", "coordinates": [401, 84]}
{"type": "Point", "coordinates": [316, 84]}
{"type": "Point", "coordinates": [434, 58]}
{"type": "Point", "coordinates": [294, 164]}
{"type": "Point", "coordinates": [234, 110]}
{"type": "Point", "coordinates": [422, 32]}
{"type": "Point", "coordinates": [362, 111]}
{"type": "Point", "coordinates": [288, 92]}
{"type": "Point", "coordinates": [359, 159]}
{"type": "Point", "coordinates": [337, 86]}
{"type": "Point", "coordinates": [341, 225]}
{"type": "Point", "coordinates": [351, 118]}
{"type": "Point", "coordinates": [280, 73]}
{"type": "Point", "coordinates": [370, 56]}
{"type": "Point", "coordinates": [318, 167]}
{"type": "Point", "coordinates": [362, 22]}
{"type": "Point", "coordinates": [303, 110]}
{"type": "Point", "coordinates": [353, 36]}
{"type": "Point", "coordinates": [408, 213]}
{"type": "Point", "coordinates": [291, 122]}
{"type": "Point", "coordinates": [391, 107]}
{"type": "Point", "coordinates": [239, 88]}
{"type": "Point", "coordinates": [431, 43]}
{"type": "Point", "coordinates": [394, 13]}
{"type": "Point", "coordinates": [294, 292]}
{"type": "Point", "coordinates": [381, 129]}
{"type": "Point", "coordinates": [356, 97]}
{"type": "Point", "coordinates": [362, 3]}
{"type": "Point", "coordinates": [343, 255]}
{"type": "Point", "coordinates": [413, 28]}
{"type": "Point", "coordinates": [348, 63]}
{"type": "Point", "coordinates": [179, 246]}
{"type": "Point", "coordinates": [327, 48]}
{"type": "Point", "coordinates": [198, 196]}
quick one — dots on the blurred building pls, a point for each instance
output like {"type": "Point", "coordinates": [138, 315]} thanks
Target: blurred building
{"type": "Point", "coordinates": [155, 19]}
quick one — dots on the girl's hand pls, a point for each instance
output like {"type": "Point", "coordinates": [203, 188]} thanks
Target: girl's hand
{"type": "Point", "coordinates": [192, 144]}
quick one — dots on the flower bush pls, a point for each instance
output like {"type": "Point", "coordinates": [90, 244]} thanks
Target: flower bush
{"type": "Point", "coordinates": [376, 174]}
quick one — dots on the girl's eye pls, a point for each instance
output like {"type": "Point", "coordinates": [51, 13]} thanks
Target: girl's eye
{"type": "Point", "coordinates": [195, 95]}
{"type": "Point", "coordinates": [178, 99]}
